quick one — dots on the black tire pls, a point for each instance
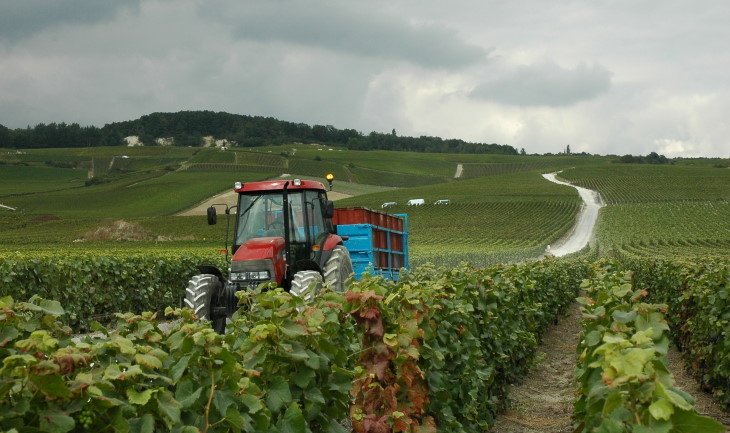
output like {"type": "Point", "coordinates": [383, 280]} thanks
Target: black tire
{"type": "Point", "coordinates": [199, 298]}
{"type": "Point", "coordinates": [306, 284]}
{"type": "Point", "coordinates": [338, 269]}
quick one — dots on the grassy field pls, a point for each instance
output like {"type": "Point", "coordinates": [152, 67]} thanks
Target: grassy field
{"type": "Point", "coordinates": [21, 179]}
{"type": "Point", "coordinates": [158, 194]}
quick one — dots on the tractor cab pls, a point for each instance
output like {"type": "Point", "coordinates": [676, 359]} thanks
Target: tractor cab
{"type": "Point", "coordinates": [289, 223]}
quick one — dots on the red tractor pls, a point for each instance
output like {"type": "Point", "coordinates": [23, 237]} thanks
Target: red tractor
{"type": "Point", "coordinates": [283, 233]}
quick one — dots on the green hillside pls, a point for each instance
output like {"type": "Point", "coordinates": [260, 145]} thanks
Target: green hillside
{"type": "Point", "coordinates": [660, 211]}
{"type": "Point", "coordinates": [501, 208]}
{"type": "Point", "coordinates": [639, 183]}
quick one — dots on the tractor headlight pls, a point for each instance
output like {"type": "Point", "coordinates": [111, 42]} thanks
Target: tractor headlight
{"type": "Point", "coordinates": [250, 276]}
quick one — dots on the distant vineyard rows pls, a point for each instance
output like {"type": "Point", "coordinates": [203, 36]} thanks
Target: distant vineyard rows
{"type": "Point", "coordinates": [669, 230]}
{"type": "Point", "coordinates": [530, 225]}
{"type": "Point", "coordinates": [674, 249]}
{"type": "Point", "coordinates": [632, 184]}
{"type": "Point", "coordinates": [472, 170]}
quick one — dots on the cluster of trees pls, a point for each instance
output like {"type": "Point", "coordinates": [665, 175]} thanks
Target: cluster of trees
{"type": "Point", "coordinates": [187, 128]}
{"type": "Point", "coordinates": [56, 135]}
{"type": "Point", "coordinates": [652, 158]}
{"type": "Point", "coordinates": [391, 141]}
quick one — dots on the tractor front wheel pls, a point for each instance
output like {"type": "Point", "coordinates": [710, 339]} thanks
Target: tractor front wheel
{"type": "Point", "coordinates": [306, 284]}
{"type": "Point", "coordinates": [202, 291]}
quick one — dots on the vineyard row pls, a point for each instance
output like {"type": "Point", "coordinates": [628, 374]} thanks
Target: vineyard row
{"type": "Point", "coordinates": [623, 378]}
{"type": "Point", "coordinates": [438, 349]}
{"type": "Point", "coordinates": [401, 350]}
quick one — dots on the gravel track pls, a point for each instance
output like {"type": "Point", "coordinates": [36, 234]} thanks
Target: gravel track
{"type": "Point", "coordinates": [582, 233]}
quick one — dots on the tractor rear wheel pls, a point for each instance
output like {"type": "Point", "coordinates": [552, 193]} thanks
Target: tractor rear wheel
{"type": "Point", "coordinates": [200, 295]}
{"type": "Point", "coordinates": [306, 284]}
{"type": "Point", "coordinates": [338, 269]}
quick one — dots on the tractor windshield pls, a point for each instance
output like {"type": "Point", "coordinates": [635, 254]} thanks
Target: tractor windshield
{"type": "Point", "coordinates": [262, 215]}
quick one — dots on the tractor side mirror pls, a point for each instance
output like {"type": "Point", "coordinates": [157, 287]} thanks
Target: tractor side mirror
{"type": "Point", "coordinates": [212, 216]}
{"type": "Point", "coordinates": [329, 209]}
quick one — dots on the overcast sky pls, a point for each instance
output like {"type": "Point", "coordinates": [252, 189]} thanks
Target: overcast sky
{"type": "Point", "coordinates": [606, 77]}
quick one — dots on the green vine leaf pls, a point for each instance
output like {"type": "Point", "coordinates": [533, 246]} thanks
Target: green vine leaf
{"type": "Point", "coordinates": [55, 421]}
{"type": "Point", "coordinates": [685, 421]}
{"type": "Point", "coordinates": [279, 394]}
{"type": "Point", "coordinates": [661, 409]}
{"type": "Point", "coordinates": [168, 405]}
{"type": "Point", "coordinates": [139, 398]}
{"type": "Point", "coordinates": [292, 421]}
{"type": "Point", "coordinates": [51, 385]}
{"type": "Point", "coordinates": [143, 424]}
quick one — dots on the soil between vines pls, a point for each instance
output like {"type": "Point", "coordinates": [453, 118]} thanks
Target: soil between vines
{"type": "Point", "coordinates": [543, 402]}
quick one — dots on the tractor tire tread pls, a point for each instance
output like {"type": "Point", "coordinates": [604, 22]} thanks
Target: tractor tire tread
{"type": "Point", "coordinates": [301, 284]}
{"type": "Point", "coordinates": [338, 269]}
{"type": "Point", "coordinates": [199, 292]}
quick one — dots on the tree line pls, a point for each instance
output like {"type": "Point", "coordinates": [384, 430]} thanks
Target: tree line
{"type": "Point", "coordinates": [187, 128]}
{"type": "Point", "coordinates": [652, 158]}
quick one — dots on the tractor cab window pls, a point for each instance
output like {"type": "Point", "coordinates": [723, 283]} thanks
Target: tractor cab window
{"type": "Point", "coordinates": [262, 215]}
{"type": "Point", "coordinates": [313, 208]}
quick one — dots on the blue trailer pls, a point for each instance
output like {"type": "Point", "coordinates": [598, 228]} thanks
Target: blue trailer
{"type": "Point", "coordinates": [377, 242]}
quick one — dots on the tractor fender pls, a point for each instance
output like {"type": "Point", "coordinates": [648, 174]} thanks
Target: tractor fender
{"type": "Point", "coordinates": [329, 246]}
{"type": "Point", "coordinates": [331, 242]}
{"type": "Point", "coordinates": [213, 270]}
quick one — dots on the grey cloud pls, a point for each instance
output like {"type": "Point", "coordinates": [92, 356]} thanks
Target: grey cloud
{"type": "Point", "coordinates": [23, 18]}
{"type": "Point", "coordinates": [546, 84]}
{"type": "Point", "coordinates": [349, 28]}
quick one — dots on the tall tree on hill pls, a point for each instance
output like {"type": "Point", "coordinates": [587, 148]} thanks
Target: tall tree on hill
{"type": "Point", "coordinates": [6, 137]}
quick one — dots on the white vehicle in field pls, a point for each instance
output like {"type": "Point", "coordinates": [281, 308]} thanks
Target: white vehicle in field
{"type": "Point", "coordinates": [388, 204]}
{"type": "Point", "coordinates": [443, 201]}
{"type": "Point", "coordinates": [416, 202]}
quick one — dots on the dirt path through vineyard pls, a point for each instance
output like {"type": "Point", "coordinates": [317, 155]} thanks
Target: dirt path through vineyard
{"type": "Point", "coordinates": [543, 403]}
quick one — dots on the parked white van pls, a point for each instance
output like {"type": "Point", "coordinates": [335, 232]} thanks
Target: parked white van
{"type": "Point", "coordinates": [444, 201]}
{"type": "Point", "coordinates": [388, 204]}
{"type": "Point", "coordinates": [416, 202]}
